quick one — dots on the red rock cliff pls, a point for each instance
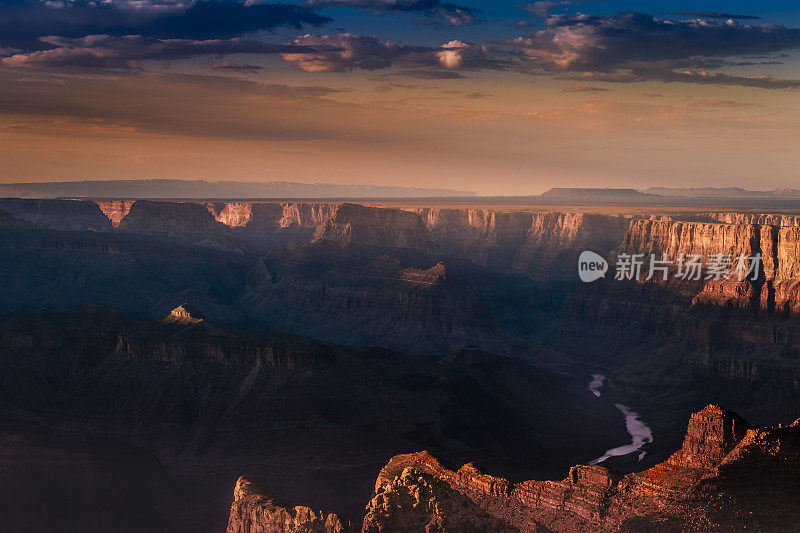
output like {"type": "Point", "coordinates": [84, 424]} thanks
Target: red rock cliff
{"type": "Point", "coordinates": [720, 480]}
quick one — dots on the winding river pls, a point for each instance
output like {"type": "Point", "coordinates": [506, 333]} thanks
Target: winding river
{"type": "Point", "coordinates": [639, 431]}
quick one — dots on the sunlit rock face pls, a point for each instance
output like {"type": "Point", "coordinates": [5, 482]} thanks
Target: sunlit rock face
{"type": "Point", "coordinates": [256, 510]}
{"type": "Point", "coordinates": [774, 289]}
{"type": "Point", "coordinates": [115, 210]}
{"type": "Point", "coordinates": [752, 218]}
{"type": "Point", "coordinates": [74, 215]}
{"type": "Point", "coordinates": [721, 479]}
{"type": "Point", "coordinates": [272, 223]}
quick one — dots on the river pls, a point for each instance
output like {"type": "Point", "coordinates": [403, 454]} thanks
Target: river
{"type": "Point", "coordinates": [639, 431]}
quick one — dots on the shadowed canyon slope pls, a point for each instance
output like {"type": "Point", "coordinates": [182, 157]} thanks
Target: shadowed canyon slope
{"type": "Point", "coordinates": [725, 477]}
{"type": "Point", "coordinates": [209, 400]}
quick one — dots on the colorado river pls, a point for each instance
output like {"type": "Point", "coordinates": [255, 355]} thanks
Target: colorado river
{"type": "Point", "coordinates": [596, 383]}
{"type": "Point", "coordinates": [639, 431]}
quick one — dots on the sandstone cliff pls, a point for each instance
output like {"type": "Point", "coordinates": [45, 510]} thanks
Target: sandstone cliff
{"type": "Point", "coordinates": [721, 479]}
{"type": "Point", "coordinates": [256, 510]}
{"type": "Point", "coordinates": [776, 287]}
{"type": "Point", "coordinates": [115, 210]}
{"type": "Point", "coordinates": [753, 218]}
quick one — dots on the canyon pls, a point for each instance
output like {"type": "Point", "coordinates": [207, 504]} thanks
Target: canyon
{"type": "Point", "coordinates": [721, 479]}
{"type": "Point", "coordinates": [303, 344]}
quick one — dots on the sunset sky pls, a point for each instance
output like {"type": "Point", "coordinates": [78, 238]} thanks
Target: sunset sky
{"type": "Point", "coordinates": [497, 97]}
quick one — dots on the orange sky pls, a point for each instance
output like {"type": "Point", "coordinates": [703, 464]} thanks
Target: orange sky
{"type": "Point", "coordinates": [494, 131]}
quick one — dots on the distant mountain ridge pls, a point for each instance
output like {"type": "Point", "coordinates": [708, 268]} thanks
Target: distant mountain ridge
{"type": "Point", "coordinates": [194, 189]}
{"type": "Point", "coordinates": [720, 192]}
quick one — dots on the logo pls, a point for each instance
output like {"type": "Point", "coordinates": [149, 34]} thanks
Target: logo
{"type": "Point", "coordinates": [591, 266]}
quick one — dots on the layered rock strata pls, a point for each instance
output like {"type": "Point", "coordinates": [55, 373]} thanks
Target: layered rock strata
{"type": "Point", "coordinates": [720, 480]}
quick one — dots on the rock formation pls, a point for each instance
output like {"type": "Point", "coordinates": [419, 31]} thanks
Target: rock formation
{"type": "Point", "coordinates": [256, 510]}
{"type": "Point", "coordinates": [721, 479]}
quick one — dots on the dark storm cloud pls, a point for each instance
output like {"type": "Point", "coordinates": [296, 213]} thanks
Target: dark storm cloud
{"type": "Point", "coordinates": [451, 14]}
{"type": "Point", "coordinates": [24, 22]}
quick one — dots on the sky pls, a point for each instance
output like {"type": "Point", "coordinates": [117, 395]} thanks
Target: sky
{"type": "Point", "coordinates": [498, 97]}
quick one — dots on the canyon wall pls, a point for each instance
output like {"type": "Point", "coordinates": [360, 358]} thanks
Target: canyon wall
{"type": "Point", "coordinates": [535, 243]}
{"type": "Point", "coordinates": [771, 287]}
{"type": "Point", "coordinates": [170, 219]}
{"type": "Point", "coordinates": [374, 226]}
{"type": "Point", "coordinates": [74, 215]}
{"type": "Point", "coordinates": [723, 460]}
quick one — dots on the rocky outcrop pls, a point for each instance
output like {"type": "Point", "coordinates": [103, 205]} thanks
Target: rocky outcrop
{"type": "Point", "coordinates": [73, 215]}
{"type": "Point", "coordinates": [374, 226]}
{"type": "Point", "coordinates": [115, 210]}
{"type": "Point", "coordinates": [415, 500]}
{"type": "Point", "coordinates": [720, 480]}
{"type": "Point", "coordinates": [256, 510]}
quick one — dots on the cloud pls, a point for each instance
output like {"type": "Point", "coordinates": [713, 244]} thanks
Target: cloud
{"type": "Point", "coordinates": [429, 74]}
{"type": "Point", "coordinates": [714, 15]}
{"type": "Point", "coordinates": [543, 8]}
{"type": "Point", "coordinates": [236, 67]}
{"type": "Point", "coordinates": [719, 103]}
{"type": "Point", "coordinates": [668, 76]}
{"type": "Point", "coordinates": [24, 22]}
{"type": "Point", "coordinates": [460, 54]}
{"type": "Point", "coordinates": [174, 104]}
{"type": "Point", "coordinates": [347, 51]}
{"type": "Point", "coordinates": [639, 47]}
{"type": "Point", "coordinates": [583, 89]}
{"type": "Point", "coordinates": [595, 43]}
{"type": "Point", "coordinates": [110, 52]}
{"type": "Point", "coordinates": [450, 14]}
